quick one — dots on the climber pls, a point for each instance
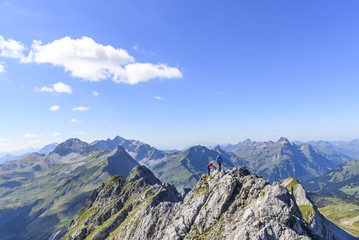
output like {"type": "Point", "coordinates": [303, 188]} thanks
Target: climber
{"type": "Point", "coordinates": [209, 168]}
{"type": "Point", "coordinates": [219, 162]}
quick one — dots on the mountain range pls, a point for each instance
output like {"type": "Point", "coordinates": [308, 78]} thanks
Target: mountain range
{"type": "Point", "coordinates": [142, 152]}
{"type": "Point", "coordinates": [44, 190]}
{"type": "Point", "coordinates": [18, 155]}
{"type": "Point", "coordinates": [40, 195]}
{"type": "Point", "coordinates": [282, 159]}
{"type": "Point", "coordinates": [350, 148]}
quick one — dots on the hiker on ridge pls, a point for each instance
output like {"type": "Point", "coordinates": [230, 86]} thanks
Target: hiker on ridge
{"type": "Point", "coordinates": [219, 162]}
{"type": "Point", "coordinates": [209, 168]}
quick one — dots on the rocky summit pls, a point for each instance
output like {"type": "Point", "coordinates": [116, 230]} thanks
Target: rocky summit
{"type": "Point", "coordinates": [226, 205]}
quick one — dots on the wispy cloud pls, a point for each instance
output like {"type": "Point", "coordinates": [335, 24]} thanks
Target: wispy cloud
{"type": "Point", "coordinates": [81, 108]}
{"type": "Point", "coordinates": [75, 121]}
{"type": "Point", "coordinates": [6, 146]}
{"type": "Point", "coordinates": [2, 68]}
{"type": "Point", "coordinates": [30, 135]}
{"type": "Point", "coordinates": [57, 87]}
{"type": "Point", "coordinates": [55, 134]}
{"type": "Point", "coordinates": [137, 49]}
{"type": "Point", "coordinates": [95, 93]}
{"type": "Point", "coordinates": [11, 48]}
{"type": "Point", "coordinates": [54, 108]}
{"type": "Point", "coordinates": [158, 98]}
{"type": "Point", "coordinates": [89, 60]}
{"type": "Point", "coordinates": [35, 144]}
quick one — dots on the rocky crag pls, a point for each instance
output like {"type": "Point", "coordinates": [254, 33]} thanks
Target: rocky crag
{"type": "Point", "coordinates": [226, 205]}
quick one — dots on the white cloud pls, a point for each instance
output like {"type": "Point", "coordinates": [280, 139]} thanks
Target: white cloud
{"type": "Point", "coordinates": [57, 87]}
{"type": "Point", "coordinates": [158, 98]}
{"type": "Point", "coordinates": [143, 72]}
{"type": "Point", "coordinates": [11, 48]}
{"type": "Point", "coordinates": [75, 121]}
{"type": "Point", "coordinates": [54, 108]}
{"type": "Point", "coordinates": [30, 135]}
{"type": "Point", "coordinates": [35, 144]}
{"type": "Point", "coordinates": [134, 47]}
{"type": "Point", "coordinates": [44, 89]}
{"type": "Point", "coordinates": [2, 68]}
{"type": "Point", "coordinates": [62, 88]}
{"type": "Point", "coordinates": [83, 57]}
{"type": "Point", "coordinates": [56, 134]}
{"type": "Point", "coordinates": [86, 59]}
{"type": "Point", "coordinates": [95, 93]}
{"type": "Point", "coordinates": [81, 108]}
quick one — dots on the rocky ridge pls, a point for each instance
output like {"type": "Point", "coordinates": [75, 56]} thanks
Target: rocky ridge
{"type": "Point", "coordinates": [227, 205]}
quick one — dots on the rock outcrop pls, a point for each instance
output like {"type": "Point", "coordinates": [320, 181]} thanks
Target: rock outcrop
{"type": "Point", "coordinates": [226, 205]}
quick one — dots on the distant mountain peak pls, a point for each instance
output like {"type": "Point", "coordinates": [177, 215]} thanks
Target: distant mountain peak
{"type": "Point", "coordinates": [48, 148]}
{"type": "Point", "coordinates": [283, 140]}
{"type": "Point", "coordinates": [74, 145]}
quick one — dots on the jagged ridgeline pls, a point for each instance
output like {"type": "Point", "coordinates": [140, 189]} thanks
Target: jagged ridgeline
{"type": "Point", "coordinates": [228, 205]}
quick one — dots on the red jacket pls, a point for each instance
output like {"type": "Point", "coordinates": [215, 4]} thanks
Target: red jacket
{"type": "Point", "coordinates": [209, 165]}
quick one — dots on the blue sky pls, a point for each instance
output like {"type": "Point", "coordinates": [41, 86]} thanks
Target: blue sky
{"type": "Point", "coordinates": [175, 73]}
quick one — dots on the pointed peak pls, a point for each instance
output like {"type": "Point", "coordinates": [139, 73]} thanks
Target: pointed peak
{"type": "Point", "coordinates": [283, 140]}
{"type": "Point", "coordinates": [117, 138]}
{"type": "Point", "coordinates": [218, 149]}
{"type": "Point", "coordinates": [141, 171]}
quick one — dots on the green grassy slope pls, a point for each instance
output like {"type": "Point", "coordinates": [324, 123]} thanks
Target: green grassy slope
{"type": "Point", "coordinates": [44, 202]}
{"type": "Point", "coordinates": [343, 179]}
{"type": "Point", "coordinates": [343, 215]}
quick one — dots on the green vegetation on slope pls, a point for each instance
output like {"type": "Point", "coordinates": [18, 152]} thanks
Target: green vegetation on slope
{"type": "Point", "coordinates": [343, 215]}
{"type": "Point", "coordinates": [52, 197]}
{"type": "Point", "coordinates": [343, 179]}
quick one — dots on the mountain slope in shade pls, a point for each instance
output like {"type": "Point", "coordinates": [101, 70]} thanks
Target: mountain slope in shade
{"type": "Point", "coordinates": [343, 179]}
{"type": "Point", "coordinates": [230, 205]}
{"type": "Point", "coordinates": [185, 168]}
{"type": "Point", "coordinates": [40, 197]}
{"type": "Point", "coordinates": [281, 159]}
{"type": "Point", "coordinates": [142, 152]}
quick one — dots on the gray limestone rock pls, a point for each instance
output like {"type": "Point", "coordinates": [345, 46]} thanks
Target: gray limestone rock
{"type": "Point", "coordinates": [227, 205]}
